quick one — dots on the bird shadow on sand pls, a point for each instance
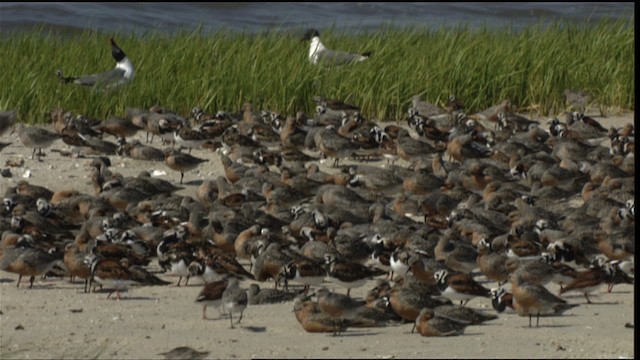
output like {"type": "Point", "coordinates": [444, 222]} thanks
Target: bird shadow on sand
{"type": "Point", "coordinates": [255, 329]}
{"type": "Point", "coordinates": [356, 333]}
{"type": "Point", "coordinates": [6, 281]}
{"type": "Point", "coordinates": [48, 286]}
{"type": "Point", "coordinates": [543, 326]}
{"type": "Point", "coordinates": [138, 298]}
{"type": "Point", "coordinates": [130, 298]}
{"type": "Point", "coordinates": [601, 303]}
{"type": "Point", "coordinates": [471, 333]}
{"type": "Point", "coordinates": [620, 292]}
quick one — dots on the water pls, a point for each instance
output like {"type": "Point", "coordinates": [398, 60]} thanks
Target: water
{"type": "Point", "coordinates": [252, 17]}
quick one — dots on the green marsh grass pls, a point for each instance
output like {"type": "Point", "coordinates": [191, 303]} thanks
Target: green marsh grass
{"type": "Point", "coordinates": [220, 71]}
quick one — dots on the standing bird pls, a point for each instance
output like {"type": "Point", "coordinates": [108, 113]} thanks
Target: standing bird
{"type": "Point", "coordinates": [112, 273]}
{"type": "Point", "coordinates": [234, 299]}
{"type": "Point", "coordinates": [25, 260]}
{"type": "Point", "coordinates": [122, 73]}
{"type": "Point", "coordinates": [211, 295]}
{"type": "Point", "coordinates": [459, 286]}
{"type": "Point", "coordinates": [531, 299]}
{"type": "Point", "coordinates": [35, 137]}
{"type": "Point", "coordinates": [181, 162]}
{"type": "Point", "coordinates": [318, 53]}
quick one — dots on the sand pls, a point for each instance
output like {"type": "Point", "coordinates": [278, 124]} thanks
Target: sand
{"type": "Point", "coordinates": [55, 319]}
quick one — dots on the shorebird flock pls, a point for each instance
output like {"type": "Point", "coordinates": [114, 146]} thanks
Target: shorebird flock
{"type": "Point", "coordinates": [438, 208]}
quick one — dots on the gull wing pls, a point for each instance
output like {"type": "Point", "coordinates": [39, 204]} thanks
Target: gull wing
{"type": "Point", "coordinates": [333, 57]}
{"type": "Point", "coordinates": [105, 78]}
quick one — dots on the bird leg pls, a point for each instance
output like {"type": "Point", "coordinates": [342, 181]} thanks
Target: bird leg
{"type": "Point", "coordinates": [31, 281]}
{"type": "Point", "coordinates": [231, 317]}
{"type": "Point", "coordinates": [204, 312]}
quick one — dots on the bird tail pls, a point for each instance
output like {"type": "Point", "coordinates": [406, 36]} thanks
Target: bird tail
{"type": "Point", "coordinates": [367, 54]}
{"type": "Point", "coordinates": [64, 79]}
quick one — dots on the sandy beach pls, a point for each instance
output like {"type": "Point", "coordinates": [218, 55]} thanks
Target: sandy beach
{"type": "Point", "coordinates": [55, 319]}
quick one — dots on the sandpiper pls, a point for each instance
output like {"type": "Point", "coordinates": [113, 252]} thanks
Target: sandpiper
{"type": "Point", "coordinates": [234, 299]}
{"type": "Point", "coordinates": [530, 299]}
{"type": "Point", "coordinates": [25, 260]}
{"type": "Point", "coordinates": [428, 323]}
{"type": "Point", "coordinates": [336, 306]}
{"type": "Point", "coordinates": [181, 162]}
{"type": "Point", "coordinates": [35, 137]}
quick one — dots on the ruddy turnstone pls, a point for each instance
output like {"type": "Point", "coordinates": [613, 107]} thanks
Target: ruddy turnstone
{"type": "Point", "coordinates": [349, 274]}
{"type": "Point", "coordinates": [587, 281]}
{"type": "Point", "coordinates": [211, 295]}
{"type": "Point", "coordinates": [307, 272]}
{"type": "Point", "coordinates": [111, 273]}
{"type": "Point", "coordinates": [459, 286]}
{"type": "Point", "coordinates": [501, 300]}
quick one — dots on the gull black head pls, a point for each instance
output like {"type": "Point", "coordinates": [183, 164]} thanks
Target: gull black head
{"type": "Point", "coordinates": [116, 52]}
{"type": "Point", "coordinates": [310, 34]}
